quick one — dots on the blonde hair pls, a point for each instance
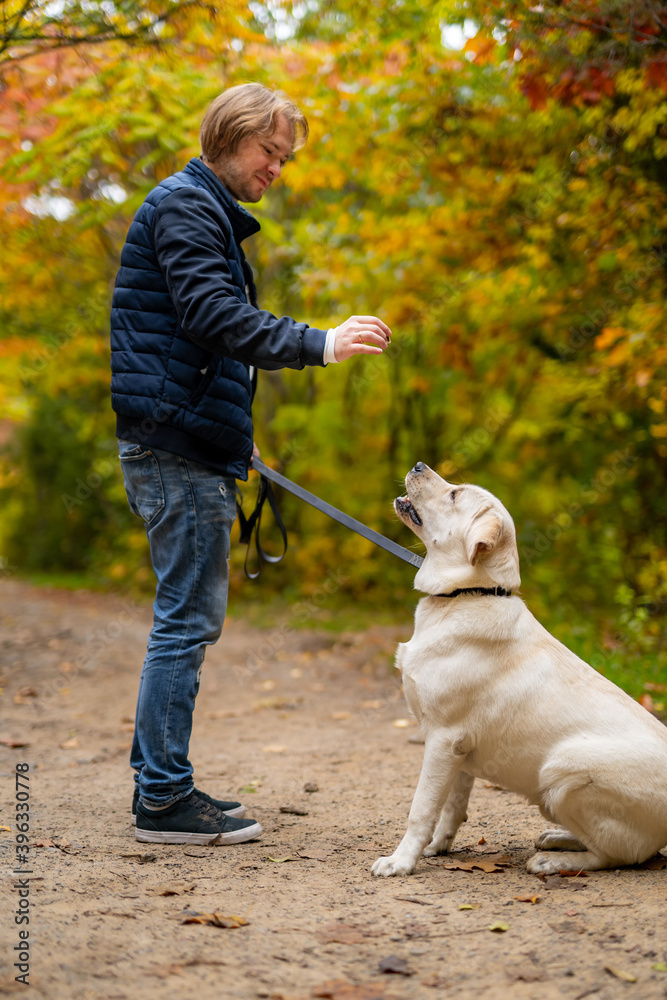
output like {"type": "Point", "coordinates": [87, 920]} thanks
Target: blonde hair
{"type": "Point", "coordinates": [248, 109]}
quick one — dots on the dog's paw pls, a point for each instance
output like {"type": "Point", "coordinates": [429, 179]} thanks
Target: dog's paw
{"type": "Point", "coordinates": [433, 849]}
{"type": "Point", "coordinates": [545, 864]}
{"type": "Point", "coordinates": [558, 840]}
{"type": "Point", "coordinates": [391, 866]}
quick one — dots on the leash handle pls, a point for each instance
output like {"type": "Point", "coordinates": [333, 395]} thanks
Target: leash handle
{"type": "Point", "coordinates": [251, 525]}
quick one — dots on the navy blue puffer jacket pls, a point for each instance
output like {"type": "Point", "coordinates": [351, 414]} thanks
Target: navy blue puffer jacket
{"type": "Point", "coordinates": [183, 333]}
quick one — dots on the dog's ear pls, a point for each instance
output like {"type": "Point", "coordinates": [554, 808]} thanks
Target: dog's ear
{"type": "Point", "coordinates": [483, 536]}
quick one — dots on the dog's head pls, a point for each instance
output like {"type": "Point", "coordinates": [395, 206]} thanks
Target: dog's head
{"type": "Point", "coordinates": [469, 536]}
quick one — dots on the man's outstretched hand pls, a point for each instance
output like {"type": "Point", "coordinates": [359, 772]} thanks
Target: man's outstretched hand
{"type": "Point", "coordinates": [361, 335]}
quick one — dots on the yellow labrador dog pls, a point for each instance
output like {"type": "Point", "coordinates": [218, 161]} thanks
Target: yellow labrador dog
{"type": "Point", "coordinates": [499, 698]}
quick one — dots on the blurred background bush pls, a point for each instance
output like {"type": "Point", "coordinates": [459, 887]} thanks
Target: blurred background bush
{"type": "Point", "coordinates": [489, 178]}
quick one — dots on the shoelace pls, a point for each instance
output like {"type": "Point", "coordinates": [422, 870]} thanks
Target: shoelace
{"type": "Point", "coordinates": [208, 809]}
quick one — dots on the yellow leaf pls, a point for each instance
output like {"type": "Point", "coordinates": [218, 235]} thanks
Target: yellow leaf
{"type": "Point", "coordinates": [627, 977]}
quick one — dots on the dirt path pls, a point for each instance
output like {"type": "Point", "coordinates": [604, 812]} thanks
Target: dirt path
{"type": "Point", "coordinates": [321, 711]}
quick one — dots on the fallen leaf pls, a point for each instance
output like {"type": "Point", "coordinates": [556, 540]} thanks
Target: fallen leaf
{"type": "Point", "coordinates": [653, 864]}
{"type": "Point", "coordinates": [627, 977]}
{"type": "Point", "coordinates": [279, 861]}
{"type": "Point", "coordinates": [5, 829]}
{"type": "Point", "coordinates": [659, 967]}
{"type": "Point", "coordinates": [570, 873]}
{"type": "Point", "coordinates": [294, 810]}
{"type": "Point", "coordinates": [528, 899]}
{"type": "Point", "coordinates": [493, 863]}
{"type": "Point", "coordinates": [27, 692]}
{"type": "Point", "coordinates": [274, 748]}
{"type": "Point", "coordinates": [469, 906]}
{"type": "Point", "coordinates": [550, 881]}
{"type": "Point", "coordinates": [9, 742]}
{"type": "Point", "coordinates": [481, 840]}
{"type": "Point", "coordinates": [171, 889]}
{"type": "Point", "coordinates": [647, 702]}
{"type": "Point", "coordinates": [659, 688]}
{"type": "Point", "coordinates": [71, 744]}
{"type": "Point", "coordinates": [499, 927]}
{"type": "Point", "coordinates": [394, 964]}
{"type": "Point", "coordinates": [143, 859]}
{"type": "Point", "coordinates": [215, 920]}
{"type": "Point", "coordinates": [43, 843]}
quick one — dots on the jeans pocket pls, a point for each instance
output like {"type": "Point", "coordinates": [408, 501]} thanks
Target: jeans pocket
{"type": "Point", "coordinates": [143, 481]}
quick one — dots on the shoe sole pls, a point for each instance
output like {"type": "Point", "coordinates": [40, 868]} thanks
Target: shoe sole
{"type": "Point", "coordinates": [179, 837]}
{"type": "Point", "coordinates": [237, 813]}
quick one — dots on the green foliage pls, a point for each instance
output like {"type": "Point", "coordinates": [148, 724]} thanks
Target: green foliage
{"type": "Point", "coordinates": [510, 230]}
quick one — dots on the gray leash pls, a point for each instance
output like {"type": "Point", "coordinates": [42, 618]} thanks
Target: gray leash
{"type": "Point", "coordinates": [338, 515]}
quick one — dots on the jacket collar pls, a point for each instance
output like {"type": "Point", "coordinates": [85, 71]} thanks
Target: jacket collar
{"type": "Point", "coordinates": [242, 222]}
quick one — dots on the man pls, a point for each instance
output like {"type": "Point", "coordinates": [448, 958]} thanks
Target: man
{"type": "Point", "coordinates": [186, 338]}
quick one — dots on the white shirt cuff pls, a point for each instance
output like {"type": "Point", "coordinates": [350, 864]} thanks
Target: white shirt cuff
{"type": "Point", "coordinates": [329, 346]}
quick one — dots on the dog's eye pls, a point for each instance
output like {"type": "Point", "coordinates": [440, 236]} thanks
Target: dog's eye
{"type": "Point", "coordinates": [453, 495]}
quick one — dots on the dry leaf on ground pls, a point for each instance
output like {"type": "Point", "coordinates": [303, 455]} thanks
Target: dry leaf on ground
{"type": "Point", "coordinates": [294, 810]}
{"type": "Point", "coordinates": [493, 863]}
{"type": "Point", "coordinates": [527, 899]}
{"type": "Point", "coordinates": [7, 741]}
{"type": "Point", "coordinates": [215, 920]}
{"type": "Point", "coordinates": [627, 977]}
{"type": "Point", "coordinates": [26, 692]}
{"type": "Point", "coordinates": [653, 864]}
{"type": "Point", "coordinates": [171, 889]}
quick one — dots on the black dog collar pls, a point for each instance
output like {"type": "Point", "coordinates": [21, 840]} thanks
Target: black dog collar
{"type": "Point", "coordinates": [495, 591]}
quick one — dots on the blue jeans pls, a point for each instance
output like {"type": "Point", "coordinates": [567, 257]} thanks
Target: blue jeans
{"type": "Point", "coordinates": [189, 511]}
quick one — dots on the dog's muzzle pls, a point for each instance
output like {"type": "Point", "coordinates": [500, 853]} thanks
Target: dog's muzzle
{"type": "Point", "coordinates": [404, 506]}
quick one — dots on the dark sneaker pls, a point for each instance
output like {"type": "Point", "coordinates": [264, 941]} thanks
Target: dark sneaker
{"type": "Point", "coordinates": [228, 808]}
{"type": "Point", "coordinates": [192, 821]}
